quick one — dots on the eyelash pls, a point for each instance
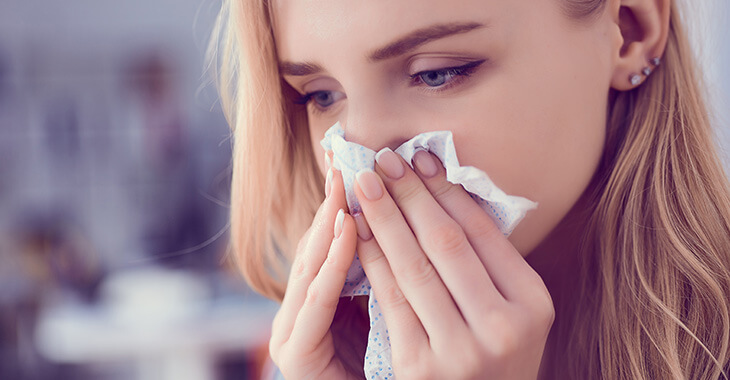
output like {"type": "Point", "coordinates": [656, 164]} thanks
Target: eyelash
{"type": "Point", "coordinates": [458, 75]}
{"type": "Point", "coordinates": [306, 99]}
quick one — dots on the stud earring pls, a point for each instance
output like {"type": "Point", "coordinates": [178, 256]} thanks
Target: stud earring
{"type": "Point", "coordinates": [635, 79]}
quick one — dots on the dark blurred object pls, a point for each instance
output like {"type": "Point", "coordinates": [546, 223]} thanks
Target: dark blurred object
{"type": "Point", "coordinates": [183, 216]}
{"type": "Point", "coordinates": [151, 81]}
{"type": "Point", "coordinates": [48, 261]}
{"type": "Point", "coordinates": [57, 257]}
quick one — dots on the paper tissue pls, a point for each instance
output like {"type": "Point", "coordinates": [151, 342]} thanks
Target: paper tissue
{"type": "Point", "coordinates": [506, 211]}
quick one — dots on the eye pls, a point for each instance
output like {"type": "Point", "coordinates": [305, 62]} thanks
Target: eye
{"type": "Point", "coordinates": [321, 99]}
{"type": "Point", "coordinates": [435, 78]}
{"type": "Point", "coordinates": [445, 76]}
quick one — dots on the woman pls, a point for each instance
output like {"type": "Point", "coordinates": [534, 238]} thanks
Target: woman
{"type": "Point", "coordinates": [592, 108]}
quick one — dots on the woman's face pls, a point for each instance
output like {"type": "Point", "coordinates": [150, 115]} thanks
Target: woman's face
{"type": "Point", "coordinates": [523, 89]}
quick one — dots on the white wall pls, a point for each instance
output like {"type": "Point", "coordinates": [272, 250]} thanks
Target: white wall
{"type": "Point", "coordinates": [709, 27]}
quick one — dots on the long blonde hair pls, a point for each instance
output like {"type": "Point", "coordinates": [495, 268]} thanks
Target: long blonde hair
{"type": "Point", "coordinates": [656, 277]}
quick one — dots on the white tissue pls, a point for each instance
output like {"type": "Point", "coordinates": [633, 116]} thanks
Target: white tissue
{"type": "Point", "coordinates": [506, 211]}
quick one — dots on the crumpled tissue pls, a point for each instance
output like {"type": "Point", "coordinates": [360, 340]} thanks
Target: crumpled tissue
{"type": "Point", "coordinates": [506, 211]}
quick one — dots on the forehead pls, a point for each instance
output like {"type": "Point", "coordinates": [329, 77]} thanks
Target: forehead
{"type": "Point", "coordinates": [310, 29]}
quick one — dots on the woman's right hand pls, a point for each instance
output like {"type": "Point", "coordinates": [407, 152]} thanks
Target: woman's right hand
{"type": "Point", "coordinates": [304, 339]}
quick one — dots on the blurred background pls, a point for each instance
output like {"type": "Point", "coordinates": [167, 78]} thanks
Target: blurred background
{"type": "Point", "coordinates": [114, 175]}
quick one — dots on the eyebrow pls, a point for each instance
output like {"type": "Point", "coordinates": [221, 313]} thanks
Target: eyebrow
{"type": "Point", "coordinates": [399, 47]}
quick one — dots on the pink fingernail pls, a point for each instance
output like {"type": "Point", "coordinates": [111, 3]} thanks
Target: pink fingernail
{"type": "Point", "coordinates": [363, 230]}
{"type": "Point", "coordinates": [369, 184]}
{"type": "Point", "coordinates": [327, 161]}
{"type": "Point", "coordinates": [338, 222]}
{"type": "Point", "coordinates": [390, 163]}
{"type": "Point", "coordinates": [328, 183]}
{"type": "Point", "coordinates": [425, 163]}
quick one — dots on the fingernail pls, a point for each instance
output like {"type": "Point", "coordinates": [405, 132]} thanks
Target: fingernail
{"type": "Point", "coordinates": [338, 222]}
{"type": "Point", "coordinates": [363, 230]}
{"type": "Point", "coordinates": [369, 184]}
{"type": "Point", "coordinates": [327, 160]}
{"type": "Point", "coordinates": [390, 163]}
{"type": "Point", "coordinates": [425, 164]}
{"type": "Point", "coordinates": [328, 183]}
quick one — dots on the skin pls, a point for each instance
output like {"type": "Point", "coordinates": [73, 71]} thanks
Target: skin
{"type": "Point", "coordinates": [532, 115]}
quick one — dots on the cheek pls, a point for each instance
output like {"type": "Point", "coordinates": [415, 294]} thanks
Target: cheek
{"type": "Point", "coordinates": [317, 150]}
{"type": "Point", "coordinates": [541, 138]}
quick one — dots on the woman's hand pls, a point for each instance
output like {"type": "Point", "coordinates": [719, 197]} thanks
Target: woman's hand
{"type": "Point", "coordinates": [315, 334]}
{"type": "Point", "coordinates": [460, 302]}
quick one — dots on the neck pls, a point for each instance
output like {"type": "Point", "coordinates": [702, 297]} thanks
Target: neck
{"type": "Point", "coordinates": [557, 260]}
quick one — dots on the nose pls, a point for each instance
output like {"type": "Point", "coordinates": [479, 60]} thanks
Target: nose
{"type": "Point", "coordinates": [376, 123]}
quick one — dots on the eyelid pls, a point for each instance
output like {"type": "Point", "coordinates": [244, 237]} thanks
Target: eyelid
{"type": "Point", "coordinates": [321, 84]}
{"type": "Point", "coordinates": [421, 64]}
{"type": "Point", "coordinates": [458, 76]}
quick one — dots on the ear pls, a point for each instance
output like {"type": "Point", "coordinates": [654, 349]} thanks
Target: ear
{"type": "Point", "coordinates": [644, 27]}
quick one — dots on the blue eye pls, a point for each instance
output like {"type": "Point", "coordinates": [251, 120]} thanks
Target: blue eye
{"type": "Point", "coordinates": [322, 99]}
{"type": "Point", "coordinates": [438, 78]}
{"type": "Point", "coordinates": [435, 78]}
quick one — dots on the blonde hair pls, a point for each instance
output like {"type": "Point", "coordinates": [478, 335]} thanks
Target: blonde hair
{"type": "Point", "coordinates": [656, 272]}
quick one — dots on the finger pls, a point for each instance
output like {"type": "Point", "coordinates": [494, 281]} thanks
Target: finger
{"type": "Point", "coordinates": [323, 294]}
{"type": "Point", "coordinates": [311, 254]}
{"type": "Point", "coordinates": [441, 237]}
{"type": "Point", "coordinates": [511, 274]}
{"type": "Point", "coordinates": [404, 327]}
{"type": "Point", "coordinates": [412, 270]}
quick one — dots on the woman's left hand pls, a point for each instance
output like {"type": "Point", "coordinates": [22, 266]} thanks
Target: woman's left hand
{"type": "Point", "coordinates": [459, 301]}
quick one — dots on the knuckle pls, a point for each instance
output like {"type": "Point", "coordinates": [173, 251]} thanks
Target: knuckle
{"type": "Point", "coordinates": [392, 297]}
{"type": "Point", "coordinates": [408, 193]}
{"type": "Point", "coordinates": [540, 305]}
{"type": "Point", "coordinates": [386, 219]}
{"type": "Point", "coordinates": [420, 272]}
{"type": "Point", "coordinates": [275, 345]}
{"type": "Point", "coordinates": [505, 340]}
{"type": "Point", "coordinates": [302, 269]}
{"type": "Point", "coordinates": [336, 264]}
{"type": "Point", "coordinates": [547, 305]}
{"type": "Point", "coordinates": [470, 364]}
{"type": "Point", "coordinates": [314, 298]}
{"type": "Point", "coordinates": [370, 257]}
{"type": "Point", "coordinates": [505, 346]}
{"type": "Point", "coordinates": [549, 318]}
{"type": "Point", "coordinates": [545, 312]}
{"type": "Point", "coordinates": [481, 226]}
{"type": "Point", "coordinates": [448, 239]}
{"type": "Point", "coordinates": [443, 190]}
